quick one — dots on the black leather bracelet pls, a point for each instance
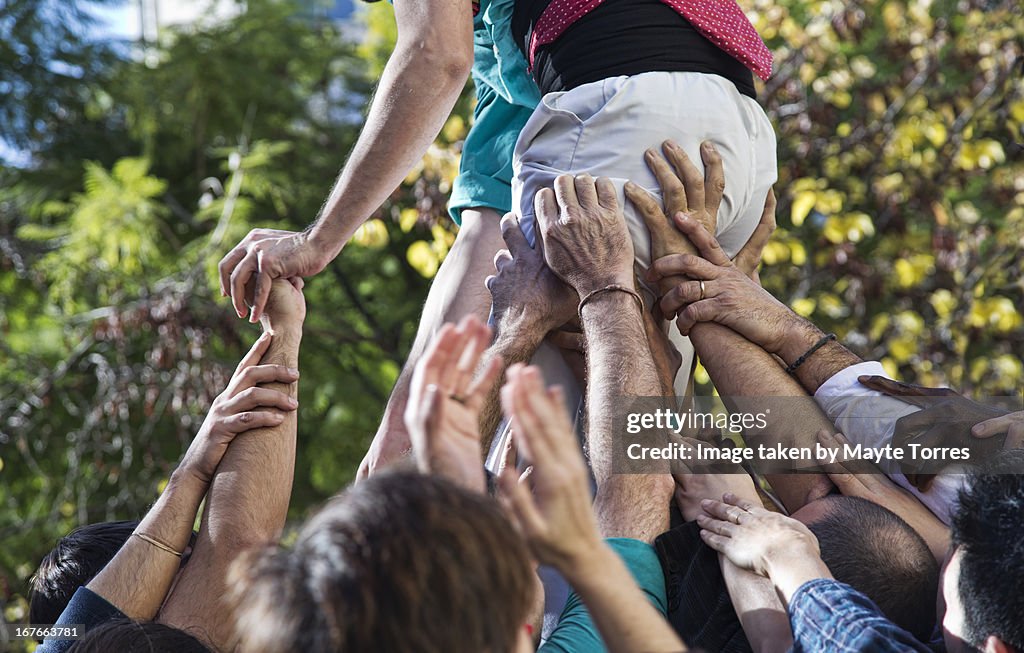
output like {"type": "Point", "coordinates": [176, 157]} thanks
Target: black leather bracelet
{"type": "Point", "coordinates": [803, 359]}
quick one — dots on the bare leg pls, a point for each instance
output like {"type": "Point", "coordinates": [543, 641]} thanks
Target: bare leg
{"type": "Point", "coordinates": [457, 290]}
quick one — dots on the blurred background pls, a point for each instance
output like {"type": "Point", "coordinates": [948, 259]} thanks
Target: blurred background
{"type": "Point", "coordinates": [140, 140]}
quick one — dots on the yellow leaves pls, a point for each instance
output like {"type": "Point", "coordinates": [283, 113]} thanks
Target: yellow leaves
{"type": "Point", "coordinates": [943, 302]}
{"type": "Point", "coordinates": [454, 129]}
{"type": "Point", "coordinates": [912, 271]}
{"type": "Point", "coordinates": [423, 259]}
{"type": "Point", "coordinates": [804, 306]}
{"type": "Point", "coordinates": [852, 227]}
{"type": "Point", "coordinates": [407, 219]}
{"type": "Point", "coordinates": [980, 154]}
{"type": "Point", "coordinates": [998, 313]}
{"type": "Point", "coordinates": [373, 234]}
{"type": "Point", "coordinates": [905, 342]}
{"type": "Point", "coordinates": [1006, 370]}
{"type": "Point", "coordinates": [802, 205]}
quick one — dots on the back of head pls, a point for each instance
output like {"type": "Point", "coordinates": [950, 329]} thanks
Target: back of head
{"type": "Point", "coordinates": [126, 636]}
{"type": "Point", "coordinates": [399, 562]}
{"type": "Point", "coordinates": [871, 549]}
{"type": "Point", "coordinates": [76, 559]}
{"type": "Point", "coordinates": [988, 533]}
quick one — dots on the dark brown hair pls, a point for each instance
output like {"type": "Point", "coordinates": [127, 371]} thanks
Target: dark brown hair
{"type": "Point", "coordinates": [400, 562]}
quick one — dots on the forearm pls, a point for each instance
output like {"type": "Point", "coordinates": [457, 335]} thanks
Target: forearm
{"type": "Point", "coordinates": [820, 366]}
{"type": "Point", "coordinates": [419, 87]}
{"type": "Point", "coordinates": [621, 611]}
{"type": "Point", "coordinates": [740, 369]}
{"type": "Point", "coordinates": [138, 578]}
{"type": "Point", "coordinates": [790, 571]}
{"type": "Point", "coordinates": [619, 364]}
{"type": "Point", "coordinates": [757, 605]}
{"type": "Point", "coordinates": [246, 504]}
{"type": "Point", "coordinates": [515, 341]}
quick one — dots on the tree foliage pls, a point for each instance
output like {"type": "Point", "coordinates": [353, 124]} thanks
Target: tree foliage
{"type": "Point", "coordinates": [901, 227]}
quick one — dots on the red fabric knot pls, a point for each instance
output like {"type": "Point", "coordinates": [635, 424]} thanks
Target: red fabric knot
{"type": "Point", "coordinates": [720, 21]}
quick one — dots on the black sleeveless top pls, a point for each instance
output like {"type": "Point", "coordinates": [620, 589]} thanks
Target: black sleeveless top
{"type": "Point", "coordinates": [623, 37]}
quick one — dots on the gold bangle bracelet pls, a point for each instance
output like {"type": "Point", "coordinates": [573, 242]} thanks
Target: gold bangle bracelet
{"type": "Point", "coordinates": [157, 543]}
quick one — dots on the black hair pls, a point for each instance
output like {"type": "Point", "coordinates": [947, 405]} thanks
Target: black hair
{"type": "Point", "coordinates": [76, 559]}
{"type": "Point", "coordinates": [127, 636]}
{"type": "Point", "coordinates": [988, 532]}
{"type": "Point", "coordinates": [870, 548]}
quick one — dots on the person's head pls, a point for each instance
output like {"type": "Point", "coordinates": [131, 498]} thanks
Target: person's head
{"type": "Point", "coordinates": [76, 559]}
{"type": "Point", "coordinates": [399, 562]}
{"type": "Point", "coordinates": [871, 549]}
{"type": "Point", "coordinates": [127, 636]}
{"type": "Point", "coordinates": [984, 574]}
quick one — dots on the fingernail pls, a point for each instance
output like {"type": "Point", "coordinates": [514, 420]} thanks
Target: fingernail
{"type": "Point", "coordinates": [293, 371]}
{"type": "Point", "coordinates": [705, 502]}
{"type": "Point", "coordinates": [292, 401]}
{"type": "Point", "coordinates": [682, 217]}
{"type": "Point", "coordinates": [278, 417]}
{"type": "Point", "coordinates": [977, 430]}
{"type": "Point", "coordinates": [629, 186]}
{"type": "Point", "coordinates": [709, 146]}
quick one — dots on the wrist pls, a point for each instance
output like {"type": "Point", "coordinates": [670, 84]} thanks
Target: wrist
{"type": "Point", "coordinates": [799, 335]}
{"type": "Point", "coordinates": [586, 286]}
{"type": "Point", "coordinates": [586, 562]}
{"type": "Point", "coordinates": [521, 323]}
{"type": "Point", "coordinates": [616, 300]}
{"type": "Point", "coordinates": [791, 569]}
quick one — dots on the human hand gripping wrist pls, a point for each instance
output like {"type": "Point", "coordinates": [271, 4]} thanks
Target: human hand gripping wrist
{"type": "Point", "coordinates": [243, 406]}
{"type": "Point", "coordinates": [526, 295]}
{"type": "Point", "coordinates": [586, 242]}
{"type": "Point", "coordinates": [767, 543]}
{"type": "Point", "coordinates": [557, 519]}
{"type": "Point", "coordinates": [246, 272]}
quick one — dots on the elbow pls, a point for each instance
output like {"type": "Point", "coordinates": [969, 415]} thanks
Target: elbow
{"type": "Point", "coordinates": [448, 64]}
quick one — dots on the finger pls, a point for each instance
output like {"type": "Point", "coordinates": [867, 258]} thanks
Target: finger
{"type": "Point", "coordinates": [714, 180]}
{"type": "Point", "coordinates": [586, 193]}
{"type": "Point", "coordinates": [716, 509]}
{"type": "Point", "coordinates": [484, 383]}
{"type": "Point", "coordinates": [260, 397]}
{"type": "Point", "coordinates": [508, 454]}
{"type": "Point", "coordinates": [479, 337]}
{"type": "Point", "coordinates": [995, 426]}
{"type": "Point", "coordinates": [647, 207]}
{"type": "Point", "coordinates": [721, 527]}
{"type": "Point", "coordinates": [501, 259]}
{"type": "Point", "coordinates": [258, 374]}
{"type": "Point", "coordinates": [689, 265]}
{"type": "Point", "coordinates": [702, 239]}
{"type": "Point", "coordinates": [749, 258]}
{"type": "Point", "coordinates": [261, 291]}
{"type": "Point", "coordinates": [606, 194]}
{"type": "Point", "coordinates": [708, 310]}
{"type": "Point", "coordinates": [565, 194]}
{"type": "Point", "coordinates": [513, 235]}
{"type": "Point", "coordinates": [672, 189]}
{"type": "Point", "coordinates": [740, 502]}
{"type": "Point", "coordinates": [685, 294]}
{"type": "Point", "coordinates": [545, 207]}
{"type": "Point", "coordinates": [239, 278]}
{"type": "Point", "coordinates": [255, 353]}
{"type": "Point", "coordinates": [693, 180]}
{"type": "Point", "coordinates": [522, 504]}
{"type": "Point", "coordinates": [715, 541]}
{"type": "Point", "coordinates": [249, 420]}
{"type": "Point", "coordinates": [227, 265]}
{"type": "Point", "coordinates": [430, 369]}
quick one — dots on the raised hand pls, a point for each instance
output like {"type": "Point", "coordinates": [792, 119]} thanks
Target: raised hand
{"type": "Point", "coordinates": [586, 242]}
{"type": "Point", "coordinates": [445, 400]}
{"type": "Point", "coordinates": [262, 256]}
{"type": "Point", "coordinates": [524, 290]}
{"type": "Point", "coordinates": [241, 407]}
{"type": "Point", "coordinates": [557, 519]}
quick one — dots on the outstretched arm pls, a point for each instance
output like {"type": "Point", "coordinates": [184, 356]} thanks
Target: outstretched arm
{"type": "Point", "coordinates": [419, 87]}
{"type": "Point", "coordinates": [248, 498]}
{"type": "Point", "coordinates": [559, 524]}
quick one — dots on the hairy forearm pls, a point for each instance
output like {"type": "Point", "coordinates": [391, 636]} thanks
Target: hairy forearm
{"type": "Point", "coordinates": [515, 341]}
{"type": "Point", "coordinates": [823, 364]}
{"type": "Point", "coordinates": [246, 504]}
{"type": "Point", "coordinates": [619, 364]}
{"type": "Point", "coordinates": [622, 613]}
{"type": "Point", "coordinates": [136, 581]}
{"type": "Point", "coordinates": [764, 619]}
{"type": "Point", "coordinates": [740, 369]}
{"type": "Point", "coordinates": [417, 91]}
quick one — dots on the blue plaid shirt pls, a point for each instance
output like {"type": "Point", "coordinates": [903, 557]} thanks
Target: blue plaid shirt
{"type": "Point", "coordinates": [827, 615]}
